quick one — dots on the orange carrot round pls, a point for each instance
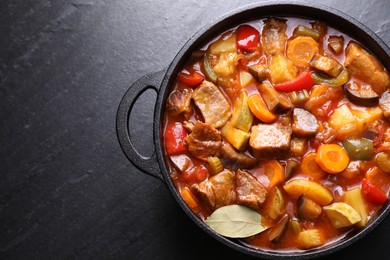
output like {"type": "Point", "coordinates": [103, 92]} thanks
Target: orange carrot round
{"type": "Point", "coordinates": [332, 158]}
{"type": "Point", "coordinates": [301, 49]}
{"type": "Point", "coordinates": [310, 167]}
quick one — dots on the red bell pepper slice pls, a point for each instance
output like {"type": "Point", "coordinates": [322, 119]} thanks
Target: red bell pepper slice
{"type": "Point", "coordinates": [372, 193]}
{"type": "Point", "coordinates": [192, 79]}
{"type": "Point", "coordinates": [247, 38]}
{"type": "Point", "coordinates": [304, 81]}
{"type": "Point", "coordinates": [195, 175]}
{"type": "Point", "coordinates": [174, 138]}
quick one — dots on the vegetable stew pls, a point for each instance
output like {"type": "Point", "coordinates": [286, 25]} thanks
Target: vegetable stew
{"type": "Point", "coordinates": [277, 133]}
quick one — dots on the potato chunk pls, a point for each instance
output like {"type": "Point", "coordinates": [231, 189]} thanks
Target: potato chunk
{"type": "Point", "coordinates": [344, 122]}
{"type": "Point", "coordinates": [310, 238]}
{"type": "Point", "coordinates": [311, 189]}
{"type": "Point", "coordinates": [226, 65]}
{"type": "Point", "coordinates": [355, 199]}
{"type": "Point", "coordinates": [282, 69]}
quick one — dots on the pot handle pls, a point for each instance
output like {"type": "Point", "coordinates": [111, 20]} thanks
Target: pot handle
{"type": "Point", "coordinates": [148, 165]}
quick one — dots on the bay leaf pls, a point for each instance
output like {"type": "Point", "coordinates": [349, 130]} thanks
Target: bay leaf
{"type": "Point", "coordinates": [235, 221]}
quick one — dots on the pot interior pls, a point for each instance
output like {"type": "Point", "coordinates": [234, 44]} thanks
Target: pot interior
{"type": "Point", "coordinates": [335, 19]}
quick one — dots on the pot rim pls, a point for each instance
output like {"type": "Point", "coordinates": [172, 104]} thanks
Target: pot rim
{"type": "Point", "coordinates": [226, 21]}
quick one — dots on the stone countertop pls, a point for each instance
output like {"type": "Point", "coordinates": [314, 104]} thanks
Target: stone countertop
{"type": "Point", "coordinates": [67, 191]}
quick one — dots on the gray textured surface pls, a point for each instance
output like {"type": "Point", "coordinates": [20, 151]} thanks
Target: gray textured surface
{"type": "Point", "coordinates": [66, 189]}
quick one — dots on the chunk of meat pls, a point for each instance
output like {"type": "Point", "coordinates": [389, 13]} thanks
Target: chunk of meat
{"type": "Point", "coordinates": [234, 159]}
{"type": "Point", "coordinates": [274, 36]}
{"type": "Point", "coordinates": [366, 67]}
{"type": "Point", "coordinates": [212, 104]}
{"type": "Point", "coordinates": [270, 140]}
{"type": "Point", "coordinates": [304, 123]}
{"type": "Point", "coordinates": [384, 104]}
{"type": "Point", "coordinates": [250, 192]}
{"type": "Point", "coordinates": [179, 101]}
{"type": "Point", "coordinates": [217, 191]}
{"type": "Point", "coordinates": [204, 141]}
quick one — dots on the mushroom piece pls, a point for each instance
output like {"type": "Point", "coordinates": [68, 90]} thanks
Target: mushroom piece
{"type": "Point", "coordinates": [277, 232]}
{"type": "Point", "coordinates": [326, 64]}
{"type": "Point", "coordinates": [277, 103]}
{"type": "Point", "coordinates": [362, 96]}
{"type": "Point", "coordinates": [308, 209]}
{"type": "Point", "coordinates": [235, 160]}
{"type": "Point", "coordinates": [259, 71]}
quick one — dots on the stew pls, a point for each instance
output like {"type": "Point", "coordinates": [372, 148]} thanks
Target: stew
{"type": "Point", "coordinates": [278, 133]}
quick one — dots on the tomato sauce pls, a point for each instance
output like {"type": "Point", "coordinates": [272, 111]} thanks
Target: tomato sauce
{"type": "Point", "coordinates": [187, 170]}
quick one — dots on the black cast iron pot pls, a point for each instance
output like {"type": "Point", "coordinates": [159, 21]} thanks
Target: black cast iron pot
{"type": "Point", "coordinates": [161, 81]}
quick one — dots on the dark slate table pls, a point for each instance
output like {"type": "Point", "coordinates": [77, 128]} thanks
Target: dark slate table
{"type": "Point", "coordinates": [67, 191]}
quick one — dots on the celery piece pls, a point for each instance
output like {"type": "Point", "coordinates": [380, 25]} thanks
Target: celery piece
{"type": "Point", "coordinates": [210, 73]}
{"type": "Point", "coordinates": [338, 81]}
{"type": "Point", "coordinates": [305, 31]}
{"type": "Point", "coordinates": [299, 97]}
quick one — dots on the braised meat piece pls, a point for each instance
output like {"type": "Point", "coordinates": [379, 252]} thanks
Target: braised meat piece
{"type": "Point", "coordinates": [212, 104]}
{"type": "Point", "coordinates": [384, 104]}
{"type": "Point", "coordinates": [189, 126]}
{"type": "Point", "coordinates": [366, 67]}
{"type": "Point", "coordinates": [204, 141]}
{"type": "Point", "coordinates": [179, 101]}
{"type": "Point", "coordinates": [250, 192]}
{"type": "Point", "coordinates": [217, 191]}
{"type": "Point", "coordinates": [270, 140]}
{"type": "Point", "coordinates": [274, 36]}
{"type": "Point", "coordinates": [304, 123]}
{"type": "Point", "coordinates": [235, 160]}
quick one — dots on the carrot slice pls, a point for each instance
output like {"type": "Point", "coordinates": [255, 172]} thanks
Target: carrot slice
{"type": "Point", "coordinates": [258, 108]}
{"type": "Point", "coordinates": [189, 199]}
{"type": "Point", "coordinates": [332, 158]}
{"type": "Point", "coordinates": [274, 172]}
{"type": "Point", "coordinates": [310, 167]}
{"type": "Point", "coordinates": [301, 49]}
